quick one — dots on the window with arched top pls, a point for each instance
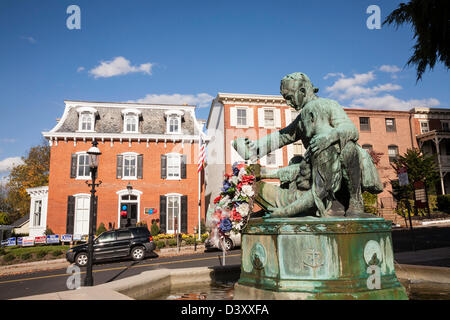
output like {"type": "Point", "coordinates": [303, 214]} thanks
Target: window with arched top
{"type": "Point", "coordinates": [174, 124]}
{"type": "Point", "coordinates": [131, 120]}
{"type": "Point", "coordinates": [86, 119]}
{"type": "Point", "coordinates": [173, 121]}
{"type": "Point", "coordinates": [131, 123]}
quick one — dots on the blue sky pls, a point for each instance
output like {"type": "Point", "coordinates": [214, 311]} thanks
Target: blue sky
{"type": "Point", "coordinates": [187, 51]}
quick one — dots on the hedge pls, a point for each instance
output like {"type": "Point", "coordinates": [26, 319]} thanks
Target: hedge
{"type": "Point", "coordinates": [443, 203]}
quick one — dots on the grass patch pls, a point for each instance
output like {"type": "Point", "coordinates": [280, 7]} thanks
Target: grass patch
{"type": "Point", "coordinates": [16, 254]}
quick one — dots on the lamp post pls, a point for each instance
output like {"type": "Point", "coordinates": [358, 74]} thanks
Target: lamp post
{"type": "Point", "coordinates": [94, 154]}
{"type": "Point", "coordinates": [130, 188]}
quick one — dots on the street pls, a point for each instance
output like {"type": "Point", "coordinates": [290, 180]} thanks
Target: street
{"type": "Point", "coordinates": [22, 285]}
{"type": "Point", "coordinates": [427, 240]}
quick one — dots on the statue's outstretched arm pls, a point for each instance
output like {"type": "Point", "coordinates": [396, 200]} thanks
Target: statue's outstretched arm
{"type": "Point", "coordinates": [255, 150]}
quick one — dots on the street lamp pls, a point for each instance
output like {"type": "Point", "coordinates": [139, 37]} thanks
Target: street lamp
{"type": "Point", "coordinates": [129, 188]}
{"type": "Point", "coordinates": [94, 154]}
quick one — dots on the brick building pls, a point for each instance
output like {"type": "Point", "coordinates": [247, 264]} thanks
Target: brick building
{"type": "Point", "coordinates": [149, 161]}
{"type": "Point", "coordinates": [432, 130]}
{"type": "Point", "coordinates": [239, 115]}
{"type": "Point", "coordinates": [388, 133]}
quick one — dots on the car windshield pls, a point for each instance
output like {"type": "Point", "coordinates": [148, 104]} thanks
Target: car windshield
{"type": "Point", "coordinates": [106, 237]}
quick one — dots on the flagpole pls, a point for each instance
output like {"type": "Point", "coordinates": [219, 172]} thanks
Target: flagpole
{"type": "Point", "coordinates": [199, 188]}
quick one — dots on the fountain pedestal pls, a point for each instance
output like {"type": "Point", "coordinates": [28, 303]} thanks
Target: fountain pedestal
{"type": "Point", "coordinates": [313, 258]}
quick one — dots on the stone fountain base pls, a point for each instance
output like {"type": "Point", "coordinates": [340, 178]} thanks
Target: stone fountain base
{"type": "Point", "coordinates": [313, 258]}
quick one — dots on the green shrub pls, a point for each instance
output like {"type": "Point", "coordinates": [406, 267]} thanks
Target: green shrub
{"type": "Point", "coordinates": [160, 244]}
{"type": "Point", "coordinates": [443, 203]}
{"type": "Point", "coordinates": [101, 228]}
{"type": "Point", "coordinates": [2, 251]}
{"type": "Point", "coordinates": [204, 237]}
{"type": "Point", "coordinates": [189, 241]}
{"type": "Point", "coordinates": [172, 242]}
{"type": "Point", "coordinates": [48, 231]}
{"type": "Point", "coordinates": [19, 235]}
{"type": "Point", "coordinates": [57, 253]}
{"type": "Point", "coordinates": [432, 202]}
{"type": "Point", "coordinates": [370, 202]}
{"type": "Point", "coordinates": [203, 228]}
{"type": "Point", "coordinates": [154, 229]}
{"type": "Point", "coordinates": [41, 253]}
{"type": "Point", "coordinates": [9, 257]}
{"type": "Point", "coordinates": [25, 256]}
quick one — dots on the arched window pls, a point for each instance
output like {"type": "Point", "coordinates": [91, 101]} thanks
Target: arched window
{"type": "Point", "coordinates": [131, 120]}
{"type": "Point", "coordinates": [131, 123]}
{"type": "Point", "coordinates": [174, 124]}
{"type": "Point", "coordinates": [173, 120]}
{"type": "Point", "coordinates": [86, 119]}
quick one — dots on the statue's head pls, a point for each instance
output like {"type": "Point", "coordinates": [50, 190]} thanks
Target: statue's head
{"type": "Point", "coordinates": [298, 90]}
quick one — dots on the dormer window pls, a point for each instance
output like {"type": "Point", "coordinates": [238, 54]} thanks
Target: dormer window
{"type": "Point", "coordinates": [131, 120]}
{"type": "Point", "coordinates": [173, 119]}
{"type": "Point", "coordinates": [86, 119]}
{"type": "Point", "coordinates": [87, 122]}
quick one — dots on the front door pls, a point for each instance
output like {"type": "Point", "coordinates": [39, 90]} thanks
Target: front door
{"type": "Point", "coordinates": [128, 214]}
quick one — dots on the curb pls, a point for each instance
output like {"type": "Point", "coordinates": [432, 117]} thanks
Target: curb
{"type": "Point", "coordinates": [62, 263]}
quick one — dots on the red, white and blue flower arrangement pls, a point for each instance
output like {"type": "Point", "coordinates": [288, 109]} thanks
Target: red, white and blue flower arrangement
{"type": "Point", "coordinates": [233, 205]}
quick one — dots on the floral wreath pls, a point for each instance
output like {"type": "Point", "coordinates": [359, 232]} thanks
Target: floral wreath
{"type": "Point", "coordinates": [233, 205]}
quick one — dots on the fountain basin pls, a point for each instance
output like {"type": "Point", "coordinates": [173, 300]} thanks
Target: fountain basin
{"type": "Point", "coordinates": [420, 282]}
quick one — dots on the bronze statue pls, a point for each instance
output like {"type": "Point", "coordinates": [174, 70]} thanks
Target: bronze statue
{"type": "Point", "coordinates": [334, 166]}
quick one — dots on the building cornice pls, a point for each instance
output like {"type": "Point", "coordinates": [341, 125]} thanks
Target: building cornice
{"type": "Point", "coordinates": [251, 99]}
{"type": "Point", "coordinates": [377, 112]}
{"type": "Point", "coordinates": [94, 104]}
{"type": "Point", "coordinates": [122, 137]}
{"type": "Point", "coordinates": [37, 191]}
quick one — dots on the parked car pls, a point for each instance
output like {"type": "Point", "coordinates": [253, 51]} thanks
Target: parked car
{"type": "Point", "coordinates": [232, 241]}
{"type": "Point", "coordinates": [133, 242]}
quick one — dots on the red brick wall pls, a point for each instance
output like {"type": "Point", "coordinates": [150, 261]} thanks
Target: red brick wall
{"type": "Point", "coordinates": [380, 139]}
{"type": "Point", "coordinates": [256, 132]}
{"type": "Point", "coordinates": [151, 186]}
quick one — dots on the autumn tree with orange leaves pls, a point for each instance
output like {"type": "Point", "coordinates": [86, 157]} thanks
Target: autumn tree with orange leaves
{"type": "Point", "coordinates": [32, 173]}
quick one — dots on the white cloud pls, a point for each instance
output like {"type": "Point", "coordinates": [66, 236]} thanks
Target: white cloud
{"type": "Point", "coordinates": [118, 66]}
{"type": "Point", "coordinates": [80, 69]}
{"type": "Point", "coordinates": [8, 140]}
{"type": "Point", "coordinates": [203, 100]}
{"type": "Point", "coordinates": [356, 92]}
{"type": "Point", "coordinates": [29, 39]}
{"type": "Point", "coordinates": [8, 163]}
{"type": "Point", "coordinates": [344, 83]}
{"type": "Point", "coordinates": [331, 74]}
{"type": "Point", "coordinates": [389, 102]}
{"type": "Point", "coordinates": [390, 69]}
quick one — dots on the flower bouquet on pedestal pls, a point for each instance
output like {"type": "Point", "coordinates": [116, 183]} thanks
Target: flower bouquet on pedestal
{"type": "Point", "coordinates": [233, 206]}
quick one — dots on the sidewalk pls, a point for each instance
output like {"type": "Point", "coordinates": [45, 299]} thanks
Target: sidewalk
{"type": "Point", "coordinates": [63, 263]}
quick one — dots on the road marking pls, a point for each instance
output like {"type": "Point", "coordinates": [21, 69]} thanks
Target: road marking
{"type": "Point", "coordinates": [116, 268]}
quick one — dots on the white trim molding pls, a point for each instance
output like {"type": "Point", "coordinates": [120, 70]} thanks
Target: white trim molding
{"type": "Point", "coordinates": [38, 194]}
{"type": "Point", "coordinates": [133, 192]}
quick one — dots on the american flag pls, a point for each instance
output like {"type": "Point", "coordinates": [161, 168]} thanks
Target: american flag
{"type": "Point", "coordinates": [201, 155]}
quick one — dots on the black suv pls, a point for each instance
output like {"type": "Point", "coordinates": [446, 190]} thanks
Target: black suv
{"type": "Point", "coordinates": [132, 242]}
